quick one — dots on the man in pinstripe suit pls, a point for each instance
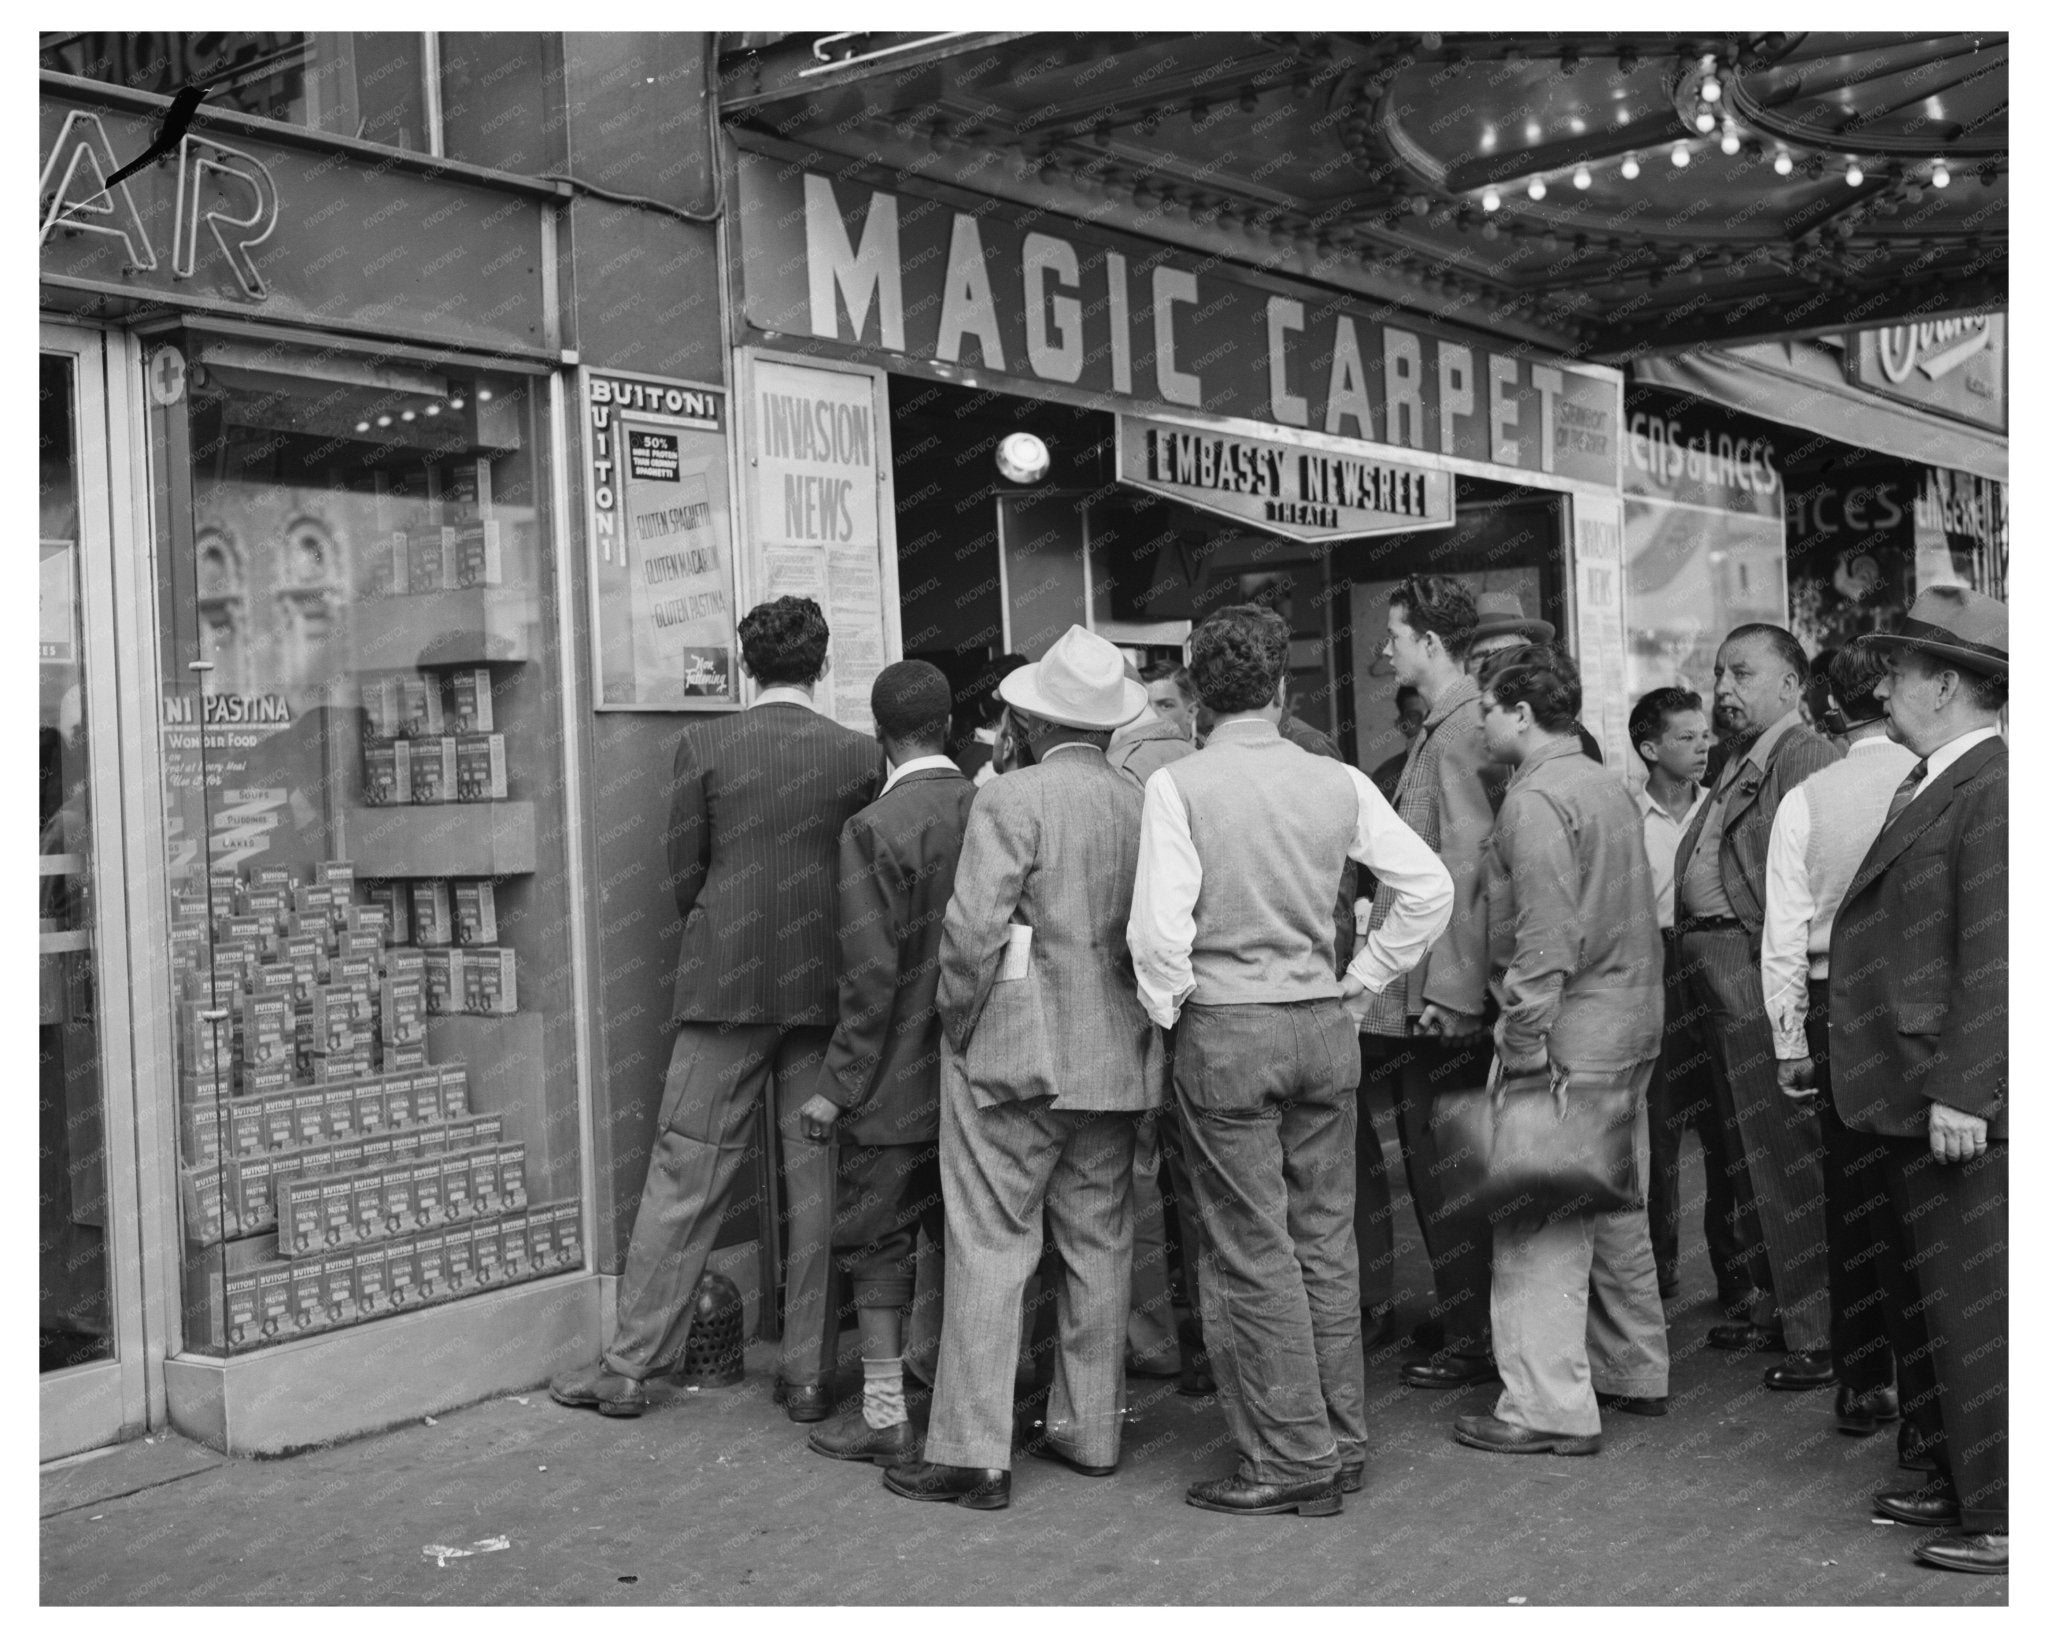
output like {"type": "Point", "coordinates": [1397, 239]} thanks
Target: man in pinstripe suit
{"type": "Point", "coordinates": [1049, 1060]}
{"type": "Point", "coordinates": [1759, 677]}
{"type": "Point", "coordinates": [753, 845]}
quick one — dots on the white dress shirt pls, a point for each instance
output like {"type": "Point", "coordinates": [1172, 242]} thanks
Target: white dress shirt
{"type": "Point", "coordinates": [1951, 752]}
{"type": "Point", "coordinates": [1662, 832]}
{"type": "Point", "coordinates": [1800, 900]}
{"type": "Point", "coordinates": [1163, 901]}
{"type": "Point", "coordinates": [896, 772]}
{"type": "Point", "coordinates": [784, 694]}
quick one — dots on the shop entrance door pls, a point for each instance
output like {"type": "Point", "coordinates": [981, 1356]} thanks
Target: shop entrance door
{"type": "Point", "coordinates": [94, 1343]}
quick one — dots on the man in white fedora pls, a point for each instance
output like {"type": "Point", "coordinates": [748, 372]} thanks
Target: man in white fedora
{"type": "Point", "coordinates": [1049, 1060]}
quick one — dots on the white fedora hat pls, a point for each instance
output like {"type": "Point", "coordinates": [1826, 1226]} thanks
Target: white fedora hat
{"type": "Point", "coordinates": [1079, 684]}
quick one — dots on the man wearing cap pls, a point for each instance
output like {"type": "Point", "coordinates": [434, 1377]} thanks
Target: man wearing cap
{"type": "Point", "coordinates": [1232, 939]}
{"type": "Point", "coordinates": [1917, 1038]}
{"type": "Point", "coordinates": [1503, 626]}
{"type": "Point", "coordinates": [1049, 1060]}
{"type": "Point", "coordinates": [1759, 680]}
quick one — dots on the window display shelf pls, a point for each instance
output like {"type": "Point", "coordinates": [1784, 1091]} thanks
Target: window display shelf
{"type": "Point", "coordinates": [472, 626]}
{"type": "Point", "coordinates": [440, 839]}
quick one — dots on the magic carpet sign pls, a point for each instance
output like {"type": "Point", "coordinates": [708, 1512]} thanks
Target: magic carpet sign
{"type": "Point", "coordinates": [1282, 489]}
{"type": "Point", "coordinates": [1020, 298]}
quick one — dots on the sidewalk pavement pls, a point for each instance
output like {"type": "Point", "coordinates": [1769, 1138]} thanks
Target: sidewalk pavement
{"type": "Point", "coordinates": [1739, 1496]}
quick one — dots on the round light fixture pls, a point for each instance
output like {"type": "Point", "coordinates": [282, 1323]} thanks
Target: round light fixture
{"type": "Point", "coordinates": [1710, 89]}
{"type": "Point", "coordinates": [1582, 178]}
{"type": "Point", "coordinates": [1731, 144]}
{"type": "Point", "coordinates": [407, 415]}
{"type": "Point", "coordinates": [1939, 177]}
{"type": "Point", "coordinates": [1681, 155]}
{"type": "Point", "coordinates": [1490, 199]}
{"type": "Point", "coordinates": [1853, 175]}
{"type": "Point", "coordinates": [362, 426]}
{"type": "Point", "coordinates": [383, 420]}
{"type": "Point", "coordinates": [483, 395]}
{"type": "Point", "coordinates": [1783, 163]}
{"type": "Point", "coordinates": [1537, 189]}
{"type": "Point", "coordinates": [1703, 120]}
{"type": "Point", "coordinates": [1023, 458]}
{"type": "Point", "coordinates": [1631, 168]}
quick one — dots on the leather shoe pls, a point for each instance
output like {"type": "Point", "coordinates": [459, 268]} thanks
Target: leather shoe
{"type": "Point", "coordinates": [1980, 1552]}
{"type": "Point", "coordinates": [1929, 1506]}
{"type": "Point", "coordinates": [1046, 1451]}
{"type": "Point", "coordinates": [851, 1439]}
{"type": "Point", "coordinates": [1744, 1337]}
{"type": "Point", "coordinates": [1739, 1305]}
{"type": "Point", "coordinates": [1512, 1439]}
{"type": "Point", "coordinates": [985, 1489]}
{"type": "Point", "coordinates": [608, 1392]}
{"type": "Point", "coordinates": [1859, 1413]}
{"type": "Point", "coordinates": [1633, 1404]}
{"type": "Point", "coordinates": [1351, 1476]}
{"type": "Point", "coordinates": [1241, 1493]}
{"type": "Point", "coordinates": [1802, 1372]}
{"type": "Point", "coordinates": [1451, 1371]}
{"type": "Point", "coordinates": [1915, 1454]}
{"type": "Point", "coordinates": [804, 1401]}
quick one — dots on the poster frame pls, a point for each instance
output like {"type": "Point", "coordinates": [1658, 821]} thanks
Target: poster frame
{"type": "Point", "coordinates": [746, 556]}
{"type": "Point", "coordinates": [584, 375]}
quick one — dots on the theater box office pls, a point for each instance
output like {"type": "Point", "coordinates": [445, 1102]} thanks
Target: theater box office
{"type": "Point", "coordinates": [312, 1009]}
{"type": "Point", "coordinates": [1214, 434]}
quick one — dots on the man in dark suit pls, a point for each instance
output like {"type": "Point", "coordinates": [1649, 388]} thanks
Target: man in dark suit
{"type": "Point", "coordinates": [896, 863]}
{"type": "Point", "coordinates": [761, 796]}
{"type": "Point", "coordinates": [1917, 1035]}
{"type": "Point", "coordinates": [1719, 872]}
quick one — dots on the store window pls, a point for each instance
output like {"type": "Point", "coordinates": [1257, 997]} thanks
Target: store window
{"type": "Point", "coordinates": [364, 803]}
{"type": "Point", "coordinates": [369, 86]}
{"type": "Point", "coordinates": [75, 1320]}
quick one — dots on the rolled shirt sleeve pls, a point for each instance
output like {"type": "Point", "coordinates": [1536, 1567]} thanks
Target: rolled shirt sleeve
{"type": "Point", "coordinates": [1422, 889]}
{"type": "Point", "coordinates": [1162, 925]}
{"type": "Point", "coordinates": [1788, 922]}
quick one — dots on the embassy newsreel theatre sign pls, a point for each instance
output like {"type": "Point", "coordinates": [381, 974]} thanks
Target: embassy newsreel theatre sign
{"type": "Point", "coordinates": [1025, 300]}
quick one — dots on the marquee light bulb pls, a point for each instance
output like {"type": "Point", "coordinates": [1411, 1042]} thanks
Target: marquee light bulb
{"type": "Point", "coordinates": [1710, 89]}
{"type": "Point", "coordinates": [1630, 168]}
{"type": "Point", "coordinates": [1940, 176]}
{"type": "Point", "coordinates": [1681, 155]}
{"type": "Point", "coordinates": [1853, 175]}
{"type": "Point", "coordinates": [1731, 144]}
{"type": "Point", "coordinates": [1582, 178]}
{"type": "Point", "coordinates": [1703, 120]}
{"type": "Point", "coordinates": [1023, 458]}
{"type": "Point", "coordinates": [1783, 163]}
{"type": "Point", "coordinates": [1490, 199]}
{"type": "Point", "coordinates": [1537, 189]}
{"type": "Point", "coordinates": [362, 426]}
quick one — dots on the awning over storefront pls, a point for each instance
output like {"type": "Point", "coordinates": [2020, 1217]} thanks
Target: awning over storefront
{"type": "Point", "coordinates": [1801, 384]}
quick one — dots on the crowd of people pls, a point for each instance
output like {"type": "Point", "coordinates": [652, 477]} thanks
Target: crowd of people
{"type": "Point", "coordinates": [1088, 960]}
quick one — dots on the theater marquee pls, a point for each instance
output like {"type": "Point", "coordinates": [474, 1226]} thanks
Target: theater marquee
{"type": "Point", "coordinates": [1300, 492]}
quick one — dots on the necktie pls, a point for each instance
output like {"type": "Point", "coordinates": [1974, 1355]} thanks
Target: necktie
{"type": "Point", "coordinates": [1909, 787]}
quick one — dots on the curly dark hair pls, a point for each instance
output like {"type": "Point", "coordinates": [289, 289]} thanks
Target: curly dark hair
{"type": "Point", "coordinates": [784, 641]}
{"type": "Point", "coordinates": [1542, 676]}
{"type": "Point", "coordinates": [1237, 658]}
{"type": "Point", "coordinates": [1440, 603]}
{"type": "Point", "coordinates": [911, 702]}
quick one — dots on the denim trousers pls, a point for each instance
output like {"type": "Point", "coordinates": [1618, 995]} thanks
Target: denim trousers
{"type": "Point", "coordinates": [1268, 1105]}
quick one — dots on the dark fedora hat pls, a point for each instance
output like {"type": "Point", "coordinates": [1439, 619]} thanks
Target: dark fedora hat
{"type": "Point", "coordinates": [1955, 624]}
{"type": "Point", "coordinates": [1500, 615]}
